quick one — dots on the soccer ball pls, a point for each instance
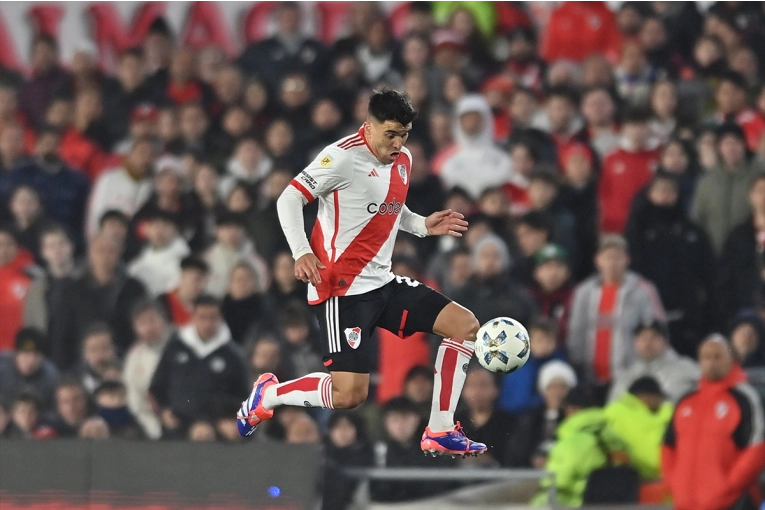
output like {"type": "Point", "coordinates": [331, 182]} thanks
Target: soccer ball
{"type": "Point", "coordinates": [502, 345]}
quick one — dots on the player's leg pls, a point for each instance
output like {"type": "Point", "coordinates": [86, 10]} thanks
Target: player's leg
{"type": "Point", "coordinates": [416, 307]}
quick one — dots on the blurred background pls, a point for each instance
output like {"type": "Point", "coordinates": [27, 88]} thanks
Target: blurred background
{"type": "Point", "coordinates": [609, 158]}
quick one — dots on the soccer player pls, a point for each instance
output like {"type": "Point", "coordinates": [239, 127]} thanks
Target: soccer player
{"type": "Point", "coordinates": [361, 183]}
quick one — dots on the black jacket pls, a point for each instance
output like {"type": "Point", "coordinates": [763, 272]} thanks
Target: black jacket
{"type": "Point", "coordinates": [495, 433]}
{"type": "Point", "coordinates": [530, 437]}
{"type": "Point", "coordinates": [497, 297]}
{"type": "Point", "coordinates": [740, 272]}
{"type": "Point", "coordinates": [200, 380]}
{"type": "Point", "coordinates": [90, 302]}
{"type": "Point", "coordinates": [675, 254]}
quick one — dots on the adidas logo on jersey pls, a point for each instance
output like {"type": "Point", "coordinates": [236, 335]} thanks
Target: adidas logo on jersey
{"type": "Point", "coordinates": [373, 173]}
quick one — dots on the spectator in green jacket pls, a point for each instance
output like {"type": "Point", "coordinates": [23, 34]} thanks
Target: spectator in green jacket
{"type": "Point", "coordinates": [585, 442]}
{"type": "Point", "coordinates": [640, 417]}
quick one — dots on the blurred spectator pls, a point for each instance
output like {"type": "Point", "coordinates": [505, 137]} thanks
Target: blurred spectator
{"type": "Point", "coordinates": [110, 398]}
{"type": "Point", "coordinates": [634, 75]}
{"type": "Point", "coordinates": [676, 375]}
{"type": "Point", "coordinates": [418, 388]}
{"type": "Point", "coordinates": [245, 308]}
{"type": "Point", "coordinates": [14, 282]}
{"type": "Point", "coordinates": [124, 91]}
{"type": "Point", "coordinates": [48, 79]}
{"type": "Point", "coordinates": [26, 418]}
{"type": "Point", "coordinates": [640, 417]}
{"type": "Point", "coordinates": [98, 353]}
{"type": "Point", "coordinates": [375, 53]}
{"type": "Point", "coordinates": [285, 287]}
{"type": "Point", "coordinates": [543, 193]}
{"type": "Point", "coordinates": [193, 132]}
{"type": "Point", "coordinates": [268, 354]}
{"type": "Point", "coordinates": [523, 64]}
{"type": "Point", "coordinates": [719, 203]}
{"type": "Point", "coordinates": [105, 293]}
{"type": "Point", "coordinates": [27, 368]}
{"type": "Point", "coordinates": [626, 171]}
{"type": "Point", "coordinates": [115, 226]}
{"type": "Point", "coordinates": [248, 164]}
{"type": "Point", "coordinates": [302, 430]}
{"type": "Point", "coordinates": [599, 112]}
{"type": "Point", "coordinates": [726, 414]}
{"type": "Point", "coordinates": [606, 309]}
{"type": "Point", "coordinates": [679, 159]}
{"type": "Point", "coordinates": [64, 192]}
{"type": "Point", "coordinates": [576, 31]}
{"type": "Point", "coordinates": [28, 218]}
{"type": "Point", "coordinates": [296, 324]}
{"type": "Point", "coordinates": [536, 430]}
{"type": "Point", "coordinates": [145, 122]}
{"type": "Point", "coordinates": [12, 154]}
{"type": "Point", "coordinates": [490, 292]}
{"type": "Point", "coordinates": [94, 427]}
{"type": "Point", "coordinates": [231, 247]}
{"type": "Point", "coordinates": [663, 101]}
{"type": "Point", "coordinates": [152, 333]}
{"type": "Point", "coordinates": [180, 85]}
{"type": "Point", "coordinates": [157, 265]}
{"type": "Point", "coordinates": [347, 446]}
{"type": "Point", "coordinates": [83, 133]}
{"type": "Point", "coordinates": [667, 248]}
{"type": "Point", "coordinates": [740, 277]}
{"type": "Point", "coordinates": [179, 302]}
{"type": "Point", "coordinates": [559, 119]}
{"type": "Point", "coordinates": [401, 449]}
{"type": "Point", "coordinates": [125, 189]}
{"type": "Point", "coordinates": [683, 23]}
{"type": "Point", "coordinates": [585, 442]}
{"type": "Point", "coordinates": [201, 431]}
{"type": "Point", "coordinates": [731, 99]}
{"type": "Point", "coordinates": [263, 224]}
{"type": "Point", "coordinates": [287, 51]}
{"type": "Point", "coordinates": [200, 374]}
{"type": "Point", "coordinates": [552, 288]}
{"type": "Point", "coordinates": [71, 407]}
{"type": "Point", "coordinates": [519, 391]}
{"type": "Point", "coordinates": [533, 231]}
{"type": "Point", "coordinates": [481, 417]}
{"type": "Point", "coordinates": [747, 338]}
{"type": "Point", "coordinates": [47, 289]}
{"type": "Point", "coordinates": [473, 126]}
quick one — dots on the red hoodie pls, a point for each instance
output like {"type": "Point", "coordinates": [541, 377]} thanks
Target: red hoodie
{"type": "Point", "coordinates": [714, 450]}
{"type": "Point", "coordinates": [624, 174]}
{"type": "Point", "coordinates": [579, 29]}
{"type": "Point", "coordinates": [14, 283]}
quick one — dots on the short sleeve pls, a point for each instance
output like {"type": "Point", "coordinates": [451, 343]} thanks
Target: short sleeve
{"type": "Point", "coordinates": [331, 170]}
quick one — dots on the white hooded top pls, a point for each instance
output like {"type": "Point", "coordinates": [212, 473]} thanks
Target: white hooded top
{"type": "Point", "coordinates": [477, 164]}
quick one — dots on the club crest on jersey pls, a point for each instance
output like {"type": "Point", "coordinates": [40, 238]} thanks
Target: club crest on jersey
{"type": "Point", "coordinates": [402, 173]}
{"type": "Point", "coordinates": [326, 160]}
{"type": "Point", "coordinates": [353, 335]}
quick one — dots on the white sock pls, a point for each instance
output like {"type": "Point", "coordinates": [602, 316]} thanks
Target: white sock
{"type": "Point", "coordinates": [451, 368]}
{"type": "Point", "coordinates": [312, 390]}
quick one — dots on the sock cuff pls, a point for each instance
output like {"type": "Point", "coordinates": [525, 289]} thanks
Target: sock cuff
{"type": "Point", "coordinates": [463, 347]}
{"type": "Point", "coordinates": [325, 391]}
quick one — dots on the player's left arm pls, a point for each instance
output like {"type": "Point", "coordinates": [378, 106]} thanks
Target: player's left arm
{"type": "Point", "coordinates": [440, 223]}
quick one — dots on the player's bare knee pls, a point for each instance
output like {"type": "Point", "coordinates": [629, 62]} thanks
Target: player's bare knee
{"type": "Point", "coordinates": [469, 326]}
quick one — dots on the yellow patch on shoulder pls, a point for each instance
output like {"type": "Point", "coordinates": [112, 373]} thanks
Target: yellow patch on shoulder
{"type": "Point", "coordinates": [326, 160]}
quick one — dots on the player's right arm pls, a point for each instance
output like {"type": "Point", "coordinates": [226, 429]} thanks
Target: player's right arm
{"type": "Point", "coordinates": [331, 170]}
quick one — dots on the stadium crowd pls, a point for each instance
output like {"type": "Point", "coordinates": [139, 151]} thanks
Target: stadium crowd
{"type": "Point", "coordinates": [611, 165]}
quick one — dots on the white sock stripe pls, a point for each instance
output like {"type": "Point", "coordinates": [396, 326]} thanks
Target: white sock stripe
{"type": "Point", "coordinates": [458, 347]}
{"type": "Point", "coordinates": [328, 392]}
{"type": "Point", "coordinates": [336, 309]}
{"type": "Point", "coordinates": [463, 345]}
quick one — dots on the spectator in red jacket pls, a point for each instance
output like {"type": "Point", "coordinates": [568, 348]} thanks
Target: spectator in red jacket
{"type": "Point", "coordinates": [732, 106]}
{"type": "Point", "coordinates": [579, 29]}
{"type": "Point", "coordinates": [725, 415]}
{"type": "Point", "coordinates": [626, 171]}
{"type": "Point", "coordinates": [14, 283]}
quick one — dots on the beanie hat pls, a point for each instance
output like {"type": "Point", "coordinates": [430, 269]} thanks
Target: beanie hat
{"type": "Point", "coordinates": [556, 369]}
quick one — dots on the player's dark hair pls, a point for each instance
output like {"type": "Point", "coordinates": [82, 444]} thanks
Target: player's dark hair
{"type": "Point", "coordinates": [196, 263]}
{"type": "Point", "coordinates": [207, 300]}
{"type": "Point", "coordinates": [389, 104]}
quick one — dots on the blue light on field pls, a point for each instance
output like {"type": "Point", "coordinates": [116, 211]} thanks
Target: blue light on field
{"type": "Point", "coordinates": [274, 491]}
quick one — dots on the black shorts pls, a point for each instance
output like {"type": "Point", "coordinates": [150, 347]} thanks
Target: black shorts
{"type": "Point", "coordinates": [403, 307]}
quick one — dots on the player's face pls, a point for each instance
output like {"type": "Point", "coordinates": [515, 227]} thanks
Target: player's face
{"type": "Point", "coordinates": [386, 138]}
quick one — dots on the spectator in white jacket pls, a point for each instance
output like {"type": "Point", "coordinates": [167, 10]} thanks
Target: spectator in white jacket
{"type": "Point", "coordinates": [606, 309]}
{"type": "Point", "coordinates": [125, 189]}
{"type": "Point", "coordinates": [476, 163]}
{"type": "Point", "coordinates": [152, 333]}
{"type": "Point", "coordinates": [158, 264]}
{"type": "Point", "coordinates": [249, 164]}
{"type": "Point", "coordinates": [677, 375]}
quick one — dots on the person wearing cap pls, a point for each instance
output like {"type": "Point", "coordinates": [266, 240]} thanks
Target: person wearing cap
{"type": "Point", "coordinates": [551, 287]}
{"type": "Point", "coordinates": [535, 432]}
{"type": "Point", "coordinates": [585, 442]}
{"type": "Point", "coordinates": [655, 358]}
{"type": "Point", "coordinates": [672, 251]}
{"type": "Point", "coordinates": [125, 188]}
{"type": "Point", "coordinates": [473, 130]}
{"type": "Point", "coordinates": [543, 192]}
{"type": "Point", "coordinates": [231, 246]}
{"type": "Point", "coordinates": [640, 417]}
{"type": "Point", "coordinates": [714, 448]}
{"type": "Point", "coordinates": [143, 123]}
{"type": "Point", "coordinates": [158, 264]}
{"type": "Point", "coordinates": [626, 170]}
{"type": "Point", "coordinates": [606, 309]}
{"type": "Point", "coordinates": [720, 200]}
{"type": "Point", "coordinates": [27, 368]}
